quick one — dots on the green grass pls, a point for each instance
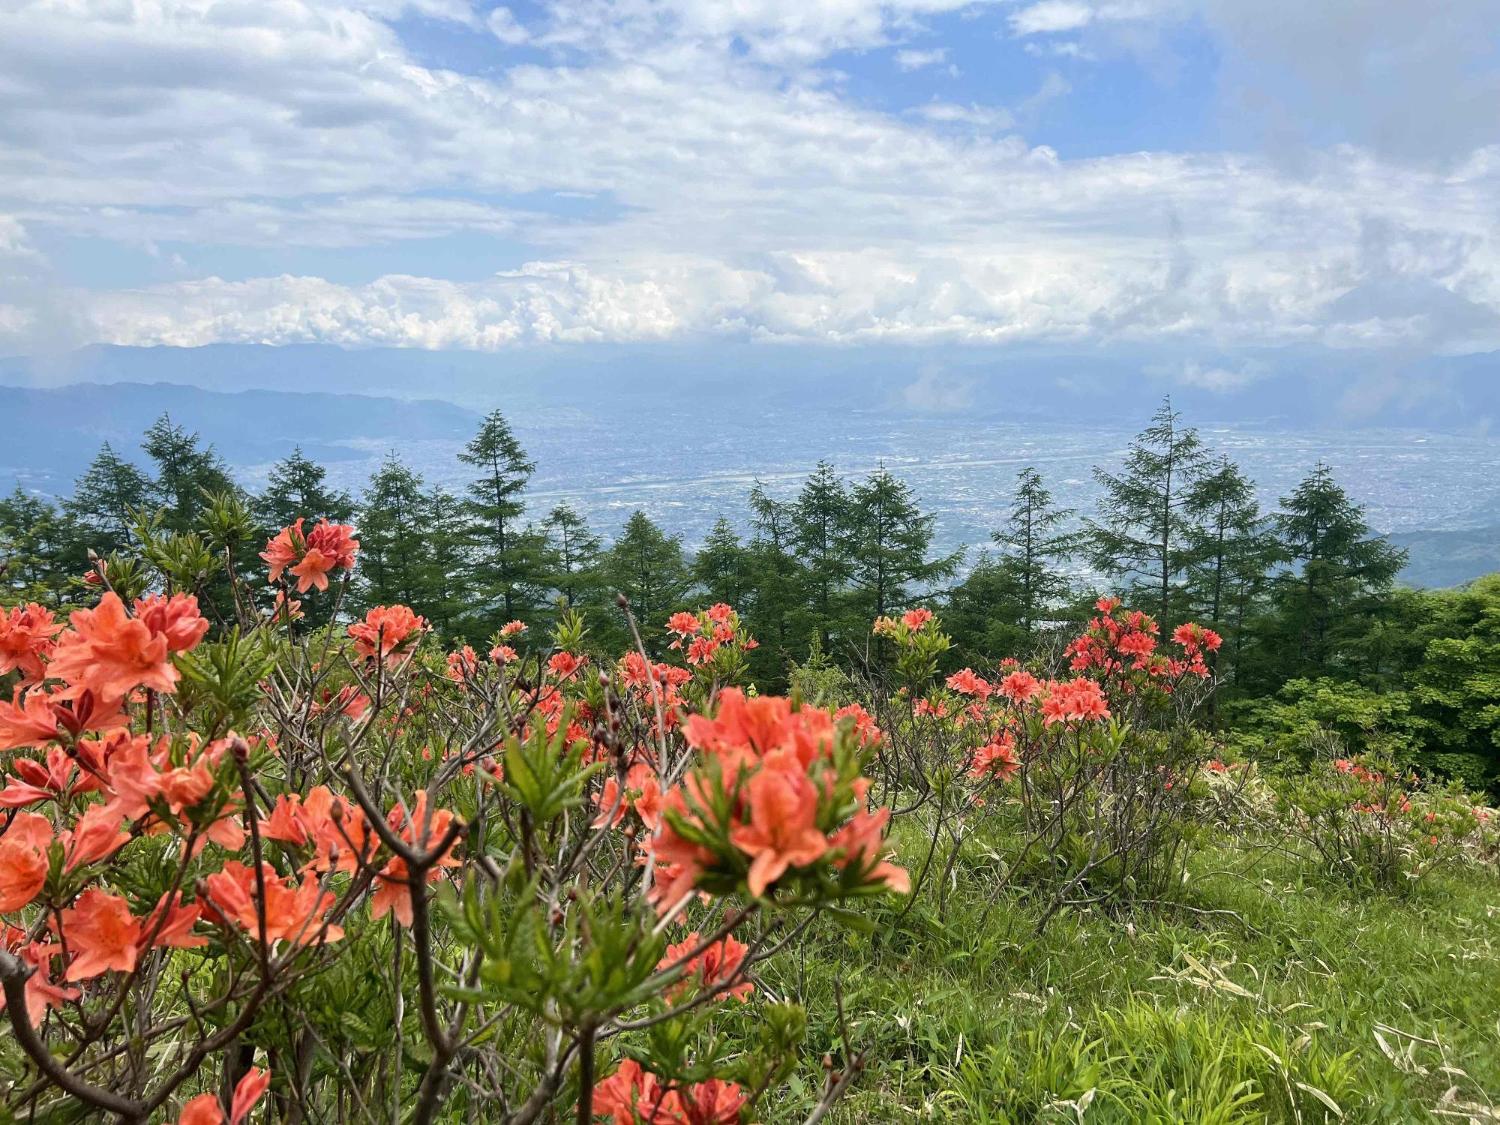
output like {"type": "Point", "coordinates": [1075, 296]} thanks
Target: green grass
{"type": "Point", "coordinates": [1310, 1002]}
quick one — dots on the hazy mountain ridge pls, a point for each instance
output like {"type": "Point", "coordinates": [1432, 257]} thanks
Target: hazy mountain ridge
{"type": "Point", "coordinates": [1301, 387]}
{"type": "Point", "coordinates": [53, 433]}
{"type": "Point", "coordinates": [686, 443]}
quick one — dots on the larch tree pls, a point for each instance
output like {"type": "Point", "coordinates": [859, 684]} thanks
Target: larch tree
{"type": "Point", "coordinates": [186, 471]}
{"type": "Point", "coordinates": [721, 566]}
{"type": "Point", "coordinates": [892, 544]}
{"type": "Point", "coordinates": [105, 498]}
{"type": "Point", "coordinates": [1143, 535]}
{"type": "Point", "coordinates": [506, 555]}
{"type": "Point", "coordinates": [822, 538]}
{"type": "Point", "coordinates": [1339, 574]}
{"type": "Point", "coordinates": [298, 487]}
{"type": "Point", "coordinates": [648, 566]}
{"type": "Point", "coordinates": [573, 553]}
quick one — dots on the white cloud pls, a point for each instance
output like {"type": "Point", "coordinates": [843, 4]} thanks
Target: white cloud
{"type": "Point", "coordinates": [936, 392]}
{"type": "Point", "coordinates": [1215, 377]}
{"type": "Point", "coordinates": [1050, 16]}
{"type": "Point", "coordinates": [913, 59]}
{"type": "Point", "coordinates": [505, 27]}
{"type": "Point", "coordinates": [719, 188]}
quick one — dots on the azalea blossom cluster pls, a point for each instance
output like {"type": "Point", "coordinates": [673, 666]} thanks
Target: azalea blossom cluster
{"type": "Point", "coordinates": [635, 1096]}
{"type": "Point", "coordinates": [776, 798]}
{"type": "Point", "coordinates": [198, 831]}
{"type": "Point", "coordinates": [1117, 641]}
{"type": "Point", "coordinates": [312, 556]}
{"type": "Point", "coordinates": [701, 636]}
{"type": "Point", "coordinates": [89, 784]}
{"type": "Point", "coordinates": [1116, 659]}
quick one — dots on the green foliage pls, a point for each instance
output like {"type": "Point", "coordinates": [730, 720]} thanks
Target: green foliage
{"type": "Point", "coordinates": [647, 566]}
{"type": "Point", "coordinates": [297, 487]}
{"type": "Point", "coordinates": [1143, 536]}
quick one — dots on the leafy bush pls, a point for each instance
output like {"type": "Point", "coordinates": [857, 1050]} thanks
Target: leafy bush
{"type": "Point", "coordinates": [338, 865]}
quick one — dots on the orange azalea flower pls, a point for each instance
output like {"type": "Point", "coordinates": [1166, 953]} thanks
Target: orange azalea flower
{"type": "Point", "coordinates": [634, 1096]}
{"type": "Point", "coordinates": [998, 759]}
{"type": "Point", "coordinates": [643, 794]}
{"type": "Point", "coordinates": [247, 1092]}
{"type": "Point", "coordinates": [393, 883]}
{"type": "Point", "coordinates": [385, 632]}
{"type": "Point", "coordinates": [330, 824]}
{"type": "Point", "coordinates": [96, 837]}
{"type": "Point", "coordinates": [564, 664]}
{"type": "Point", "coordinates": [110, 653]}
{"type": "Point", "coordinates": [745, 730]}
{"type": "Point", "coordinates": [40, 717]}
{"type": "Point", "coordinates": [714, 1102]}
{"type": "Point", "coordinates": [292, 913]}
{"type": "Point", "coordinates": [206, 1110]}
{"type": "Point", "coordinates": [283, 550]}
{"type": "Point", "coordinates": [23, 860]}
{"type": "Point", "coordinates": [27, 635]}
{"type": "Point", "coordinates": [41, 992]}
{"type": "Point", "coordinates": [715, 964]}
{"type": "Point", "coordinates": [630, 1095]}
{"type": "Point", "coordinates": [176, 921]}
{"type": "Point", "coordinates": [28, 720]}
{"type": "Point", "coordinates": [330, 546]}
{"type": "Point", "coordinates": [101, 934]}
{"type": "Point", "coordinates": [862, 841]}
{"type": "Point", "coordinates": [679, 861]}
{"type": "Point", "coordinates": [202, 1110]}
{"type": "Point", "coordinates": [782, 832]}
{"type": "Point", "coordinates": [176, 618]}
{"type": "Point", "coordinates": [36, 782]}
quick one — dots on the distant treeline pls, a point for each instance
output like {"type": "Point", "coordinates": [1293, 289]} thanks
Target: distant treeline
{"type": "Point", "coordinates": [1317, 636]}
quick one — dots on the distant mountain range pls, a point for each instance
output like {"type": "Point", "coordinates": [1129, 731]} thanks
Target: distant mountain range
{"type": "Point", "coordinates": [1448, 558]}
{"type": "Point", "coordinates": [52, 434]}
{"type": "Point", "coordinates": [682, 431]}
{"type": "Point", "coordinates": [1299, 387]}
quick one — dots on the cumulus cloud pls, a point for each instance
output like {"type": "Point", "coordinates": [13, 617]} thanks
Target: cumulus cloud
{"type": "Point", "coordinates": [716, 180]}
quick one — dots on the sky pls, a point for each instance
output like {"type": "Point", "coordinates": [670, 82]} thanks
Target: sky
{"type": "Point", "coordinates": [1194, 178]}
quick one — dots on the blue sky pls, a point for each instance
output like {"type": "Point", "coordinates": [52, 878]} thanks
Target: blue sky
{"type": "Point", "coordinates": [1180, 175]}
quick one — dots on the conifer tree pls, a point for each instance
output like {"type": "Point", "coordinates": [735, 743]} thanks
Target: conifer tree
{"type": "Point", "coordinates": [185, 471]}
{"type": "Point", "coordinates": [1031, 543]}
{"type": "Point", "coordinates": [444, 536]}
{"type": "Point", "coordinates": [721, 566]}
{"type": "Point", "coordinates": [995, 610]}
{"type": "Point", "coordinates": [1339, 576]}
{"type": "Point", "coordinates": [647, 566]}
{"type": "Point", "coordinates": [822, 538]}
{"type": "Point", "coordinates": [298, 487]}
{"type": "Point", "coordinates": [104, 498]}
{"type": "Point", "coordinates": [573, 553]}
{"type": "Point", "coordinates": [394, 552]}
{"type": "Point", "coordinates": [1142, 538]}
{"type": "Point", "coordinates": [1230, 553]}
{"type": "Point", "coordinates": [506, 556]}
{"type": "Point", "coordinates": [39, 555]}
{"type": "Point", "coordinates": [775, 595]}
{"type": "Point", "coordinates": [892, 538]}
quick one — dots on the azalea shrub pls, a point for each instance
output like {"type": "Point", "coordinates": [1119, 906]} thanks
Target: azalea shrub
{"type": "Point", "coordinates": [1093, 764]}
{"type": "Point", "coordinates": [1375, 825]}
{"type": "Point", "coordinates": [253, 865]}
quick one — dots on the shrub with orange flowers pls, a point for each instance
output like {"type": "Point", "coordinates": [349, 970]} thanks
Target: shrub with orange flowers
{"type": "Point", "coordinates": [1378, 826]}
{"type": "Point", "coordinates": [1094, 763]}
{"type": "Point", "coordinates": [262, 866]}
